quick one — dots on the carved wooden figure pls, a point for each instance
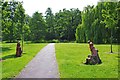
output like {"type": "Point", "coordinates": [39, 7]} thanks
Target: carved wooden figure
{"type": "Point", "coordinates": [18, 50]}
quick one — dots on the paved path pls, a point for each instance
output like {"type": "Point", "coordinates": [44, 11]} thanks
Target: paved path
{"type": "Point", "coordinates": [43, 65]}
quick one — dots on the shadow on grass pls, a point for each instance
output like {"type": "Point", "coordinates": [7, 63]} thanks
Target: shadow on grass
{"type": "Point", "coordinates": [9, 56]}
{"type": "Point", "coordinates": [118, 56]}
{"type": "Point", "coordinates": [4, 49]}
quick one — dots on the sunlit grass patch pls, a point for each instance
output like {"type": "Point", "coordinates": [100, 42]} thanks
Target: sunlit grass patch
{"type": "Point", "coordinates": [11, 65]}
{"type": "Point", "coordinates": [70, 58]}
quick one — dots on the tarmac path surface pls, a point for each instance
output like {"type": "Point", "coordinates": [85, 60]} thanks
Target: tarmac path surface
{"type": "Point", "coordinates": [43, 65]}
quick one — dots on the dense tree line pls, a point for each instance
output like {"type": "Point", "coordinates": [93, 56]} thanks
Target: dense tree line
{"type": "Point", "coordinates": [99, 23]}
{"type": "Point", "coordinates": [61, 26]}
{"type": "Point", "coordinates": [17, 25]}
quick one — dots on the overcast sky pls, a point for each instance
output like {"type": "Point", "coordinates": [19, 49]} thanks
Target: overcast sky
{"type": "Point", "coordinates": [31, 6]}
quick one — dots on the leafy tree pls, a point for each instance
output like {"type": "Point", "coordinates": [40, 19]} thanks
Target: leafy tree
{"type": "Point", "coordinates": [97, 23]}
{"type": "Point", "coordinates": [50, 24]}
{"type": "Point", "coordinates": [80, 34]}
{"type": "Point", "coordinates": [110, 15]}
{"type": "Point", "coordinates": [66, 23]}
{"type": "Point", "coordinates": [37, 27]}
{"type": "Point", "coordinates": [12, 20]}
{"type": "Point", "coordinates": [27, 31]}
{"type": "Point", "coordinates": [118, 22]}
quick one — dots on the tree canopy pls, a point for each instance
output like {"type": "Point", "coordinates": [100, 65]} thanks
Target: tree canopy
{"type": "Point", "coordinates": [98, 23]}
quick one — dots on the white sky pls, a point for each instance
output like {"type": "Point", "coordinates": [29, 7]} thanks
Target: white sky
{"type": "Point", "coordinates": [31, 6]}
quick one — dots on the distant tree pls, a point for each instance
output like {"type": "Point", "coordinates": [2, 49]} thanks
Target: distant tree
{"type": "Point", "coordinates": [50, 24]}
{"type": "Point", "coordinates": [118, 23]}
{"type": "Point", "coordinates": [27, 31]}
{"type": "Point", "coordinates": [37, 27]}
{"type": "Point", "coordinates": [66, 22]}
{"type": "Point", "coordinates": [80, 34]}
{"type": "Point", "coordinates": [99, 23]}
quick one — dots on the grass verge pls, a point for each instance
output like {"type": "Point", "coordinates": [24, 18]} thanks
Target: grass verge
{"type": "Point", "coordinates": [11, 65]}
{"type": "Point", "coordinates": [70, 58]}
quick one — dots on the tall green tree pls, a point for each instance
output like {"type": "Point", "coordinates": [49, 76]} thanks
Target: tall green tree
{"type": "Point", "coordinates": [50, 24]}
{"type": "Point", "coordinates": [97, 25]}
{"type": "Point", "coordinates": [12, 20]}
{"type": "Point", "coordinates": [98, 22]}
{"type": "Point", "coordinates": [27, 31]}
{"type": "Point", "coordinates": [110, 18]}
{"type": "Point", "coordinates": [66, 23]}
{"type": "Point", "coordinates": [87, 20]}
{"type": "Point", "coordinates": [37, 27]}
{"type": "Point", "coordinates": [118, 22]}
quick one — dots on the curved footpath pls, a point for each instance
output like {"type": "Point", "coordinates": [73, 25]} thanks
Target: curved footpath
{"type": "Point", "coordinates": [43, 65]}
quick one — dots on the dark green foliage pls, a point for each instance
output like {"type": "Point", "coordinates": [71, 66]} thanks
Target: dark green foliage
{"type": "Point", "coordinates": [13, 15]}
{"type": "Point", "coordinates": [66, 24]}
{"type": "Point", "coordinates": [99, 23]}
{"type": "Point", "coordinates": [50, 24]}
{"type": "Point", "coordinates": [118, 23]}
{"type": "Point", "coordinates": [37, 27]}
{"type": "Point", "coordinates": [63, 24]}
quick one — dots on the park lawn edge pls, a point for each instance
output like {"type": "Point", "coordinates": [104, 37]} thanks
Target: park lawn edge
{"type": "Point", "coordinates": [73, 67]}
{"type": "Point", "coordinates": [12, 65]}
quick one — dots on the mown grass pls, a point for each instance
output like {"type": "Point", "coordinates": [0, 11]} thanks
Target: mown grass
{"type": "Point", "coordinates": [11, 65]}
{"type": "Point", "coordinates": [70, 58]}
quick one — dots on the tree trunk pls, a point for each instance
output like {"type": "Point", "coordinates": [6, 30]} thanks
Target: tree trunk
{"type": "Point", "coordinates": [111, 41]}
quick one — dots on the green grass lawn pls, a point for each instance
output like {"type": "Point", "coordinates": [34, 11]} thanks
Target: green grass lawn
{"type": "Point", "coordinates": [70, 58]}
{"type": "Point", "coordinates": [11, 65]}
